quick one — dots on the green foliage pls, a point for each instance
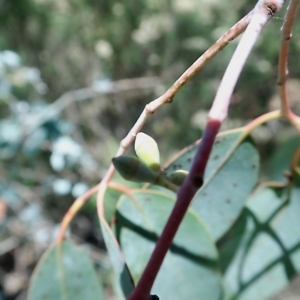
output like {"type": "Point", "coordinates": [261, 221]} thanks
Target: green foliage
{"type": "Point", "coordinates": [231, 174]}
{"type": "Point", "coordinates": [123, 282]}
{"type": "Point", "coordinates": [190, 268]}
{"type": "Point", "coordinates": [257, 240]}
{"type": "Point", "coordinates": [280, 161]}
{"type": "Point", "coordinates": [267, 254]}
{"type": "Point", "coordinates": [146, 168]}
{"type": "Point", "coordinates": [64, 272]}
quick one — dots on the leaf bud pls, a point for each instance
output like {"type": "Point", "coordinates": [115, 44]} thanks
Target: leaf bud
{"type": "Point", "coordinates": [178, 177]}
{"type": "Point", "coordinates": [131, 168]}
{"type": "Point", "coordinates": [147, 150]}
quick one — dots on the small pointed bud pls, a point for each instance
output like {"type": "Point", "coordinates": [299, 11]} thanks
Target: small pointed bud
{"type": "Point", "coordinates": [131, 168]}
{"type": "Point", "coordinates": [147, 150]}
{"type": "Point", "coordinates": [178, 177]}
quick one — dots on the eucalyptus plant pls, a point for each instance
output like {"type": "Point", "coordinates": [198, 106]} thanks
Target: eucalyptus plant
{"type": "Point", "coordinates": [199, 226]}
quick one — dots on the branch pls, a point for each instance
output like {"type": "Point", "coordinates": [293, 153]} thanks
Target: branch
{"type": "Point", "coordinates": [120, 86]}
{"type": "Point", "coordinates": [286, 35]}
{"type": "Point", "coordinates": [262, 13]}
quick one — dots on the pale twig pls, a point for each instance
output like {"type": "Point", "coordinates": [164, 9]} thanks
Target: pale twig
{"type": "Point", "coordinates": [286, 35]}
{"type": "Point", "coordinates": [263, 11]}
{"type": "Point", "coordinates": [272, 115]}
{"type": "Point", "coordinates": [222, 99]}
{"type": "Point", "coordinates": [120, 86]}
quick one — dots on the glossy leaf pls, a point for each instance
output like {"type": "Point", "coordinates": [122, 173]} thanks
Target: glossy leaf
{"type": "Point", "coordinates": [267, 255]}
{"type": "Point", "coordinates": [231, 174]}
{"type": "Point", "coordinates": [67, 273]}
{"type": "Point", "coordinates": [190, 268]}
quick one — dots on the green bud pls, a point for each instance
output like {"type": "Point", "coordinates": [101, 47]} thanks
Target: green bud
{"type": "Point", "coordinates": [178, 177]}
{"type": "Point", "coordinates": [147, 150]}
{"type": "Point", "coordinates": [133, 169]}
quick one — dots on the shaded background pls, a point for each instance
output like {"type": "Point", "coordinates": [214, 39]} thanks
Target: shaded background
{"type": "Point", "coordinates": [74, 77]}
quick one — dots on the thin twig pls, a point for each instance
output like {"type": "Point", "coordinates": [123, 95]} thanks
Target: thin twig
{"type": "Point", "coordinates": [286, 35]}
{"type": "Point", "coordinates": [120, 86]}
{"type": "Point", "coordinates": [272, 115]}
{"type": "Point", "coordinates": [237, 62]}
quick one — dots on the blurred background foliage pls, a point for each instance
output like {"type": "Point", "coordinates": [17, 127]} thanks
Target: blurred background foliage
{"type": "Point", "coordinates": [74, 77]}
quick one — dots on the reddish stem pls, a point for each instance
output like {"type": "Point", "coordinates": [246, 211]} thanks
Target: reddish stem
{"type": "Point", "coordinates": [184, 197]}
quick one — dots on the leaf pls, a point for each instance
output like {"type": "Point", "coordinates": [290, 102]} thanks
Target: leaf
{"type": "Point", "coordinates": [111, 198]}
{"type": "Point", "coordinates": [123, 281]}
{"type": "Point", "coordinates": [66, 273]}
{"type": "Point", "coordinates": [189, 270]}
{"type": "Point", "coordinates": [230, 176]}
{"type": "Point", "coordinates": [110, 201]}
{"type": "Point", "coordinates": [281, 159]}
{"type": "Point", "coordinates": [268, 253]}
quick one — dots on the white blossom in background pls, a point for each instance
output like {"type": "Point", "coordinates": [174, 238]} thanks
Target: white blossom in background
{"type": "Point", "coordinates": [12, 72]}
{"type": "Point", "coordinates": [79, 189]}
{"type": "Point", "coordinates": [62, 186]}
{"type": "Point", "coordinates": [153, 27]}
{"type": "Point", "coordinates": [64, 147]}
{"type": "Point", "coordinates": [10, 59]}
{"type": "Point", "coordinates": [104, 49]}
{"type": "Point", "coordinates": [102, 85]}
